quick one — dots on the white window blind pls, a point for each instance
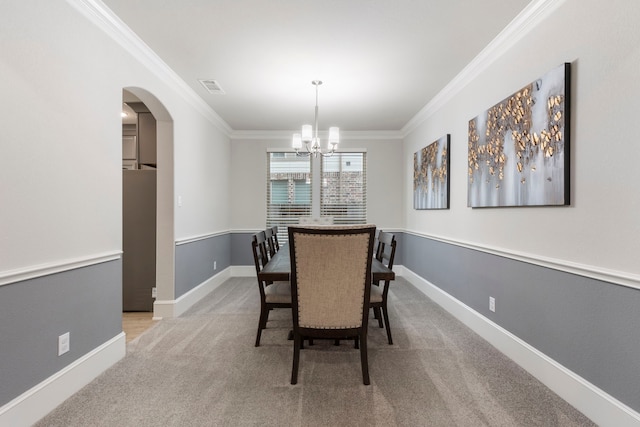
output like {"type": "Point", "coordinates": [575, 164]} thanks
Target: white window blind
{"type": "Point", "coordinates": [288, 190]}
{"type": "Point", "coordinates": [343, 193]}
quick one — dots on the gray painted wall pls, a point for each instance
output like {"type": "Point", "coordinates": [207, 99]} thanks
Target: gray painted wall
{"type": "Point", "coordinates": [86, 302]}
{"type": "Point", "coordinates": [194, 261]}
{"type": "Point", "coordinates": [241, 249]}
{"type": "Point", "coordinates": [589, 326]}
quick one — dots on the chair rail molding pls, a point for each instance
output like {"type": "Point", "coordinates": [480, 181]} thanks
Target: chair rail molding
{"type": "Point", "coordinates": [615, 277]}
{"type": "Point", "coordinates": [46, 269]}
{"type": "Point", "coordinates": [195, 238]}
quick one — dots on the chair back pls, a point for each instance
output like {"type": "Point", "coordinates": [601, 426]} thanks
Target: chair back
{"type": "Point", "coordinates": [275, 237]}
{"type": "Point", "coordinates": [268, 234]}
{"type": "Point", "coordinates": [258, 245]}
{"type": "Point", "coordinates": [386, 248]}
{"type": "Point", "coordinates": [331, 276]}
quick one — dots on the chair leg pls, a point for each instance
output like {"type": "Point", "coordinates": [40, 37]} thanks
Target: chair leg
{"type": "Point", "coordinates": [258, 336]}
{"type": "Point", "coordinates": [363, 358]}
{"type": "Point", "coordinates": [296, 358]}
{"type": "Point", "coordinates": [262, 323]}
{"type": "Point", "coordinates": [376, 311]}
{"type": "Point", "coordinates": [385, 312]}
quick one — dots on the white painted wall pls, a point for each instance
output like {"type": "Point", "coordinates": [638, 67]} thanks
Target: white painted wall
{"type": "Point", "coordinates": [601, 228]}
{"type": "Point", "coordinates": [61, 80]}
{"type": "Point", "coordinates": [249, 171]}
{"type": "Point", "coordinates": [202, 159]}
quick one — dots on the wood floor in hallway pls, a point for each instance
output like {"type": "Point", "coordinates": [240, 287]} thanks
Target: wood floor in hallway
{"type": "Point", "coordinates": [135, 323]}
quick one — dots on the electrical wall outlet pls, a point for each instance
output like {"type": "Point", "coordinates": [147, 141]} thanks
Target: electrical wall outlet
{"type": "Point", "coordinates": [215, 265]}
{"type": "Point", "coordinates": [154, 292]}
{"type": "Point", "coordinates": [492, 304]}
{"type": "Point", "coordinates": [63, 344]}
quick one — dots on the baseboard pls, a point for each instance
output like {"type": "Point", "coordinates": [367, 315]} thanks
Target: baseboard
{"type": "Point", "coordinates": [174, 308]}
{"type": "Point", "coordinates": [243, 271]}
{"type": "Point", "coordinates": [600, 407]}
{"type": "Point", "coordinates": [32, 405]}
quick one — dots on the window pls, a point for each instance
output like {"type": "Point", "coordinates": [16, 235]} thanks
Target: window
{"type": "Point", "coordinates": [279, 192]}
{"type": "Point", "coordinates": [339, 190]}
{"type": "Point", "coordinates": [343, 192]}
{"type": "Point", "coordinates": [288, 190]}
{"type": "Point", "coordinates": [302, 192]}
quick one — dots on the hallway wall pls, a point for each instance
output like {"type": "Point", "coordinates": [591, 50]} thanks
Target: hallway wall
{"type": "Point", "coordinates": [61, 79]}
{"type": "Point", "coordinates": [566, 279]}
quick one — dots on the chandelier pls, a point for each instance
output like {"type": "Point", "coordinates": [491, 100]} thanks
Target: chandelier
{"type": "Point", "coordinates": [311, 139]}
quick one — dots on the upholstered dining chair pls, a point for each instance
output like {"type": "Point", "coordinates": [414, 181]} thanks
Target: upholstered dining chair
{"type": "Point", "coordinates": [330, 286]}
{"type": "Point", "coordinates": [272, 294]}
{"type": "Point", "coordinates": [385, 253]}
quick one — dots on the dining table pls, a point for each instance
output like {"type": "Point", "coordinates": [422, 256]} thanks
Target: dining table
{"type": "Point", "coordinates": [278, 269]}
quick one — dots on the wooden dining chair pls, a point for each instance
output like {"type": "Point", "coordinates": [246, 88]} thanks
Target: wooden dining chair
{"type": "Point", "coordinates": [275, 237]}
{"type": "Point", "coordinates": [330, 286]}
{"type": "Point", "coordinates": [272, 294]}
{"type": "Point", "coordinates": [271, 247]}
{"type": "Point", "coordinates": [385, 253]}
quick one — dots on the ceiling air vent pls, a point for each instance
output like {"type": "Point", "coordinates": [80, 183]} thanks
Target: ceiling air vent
{"type": "Point", "coordinates": [212, 86]}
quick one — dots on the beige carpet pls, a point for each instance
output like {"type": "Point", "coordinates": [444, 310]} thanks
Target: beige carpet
{"type": "Point", "coordinates": [202, 370]}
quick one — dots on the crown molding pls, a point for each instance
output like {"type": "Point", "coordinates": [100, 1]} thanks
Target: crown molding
{"type": "Point", "coordinates": [522, 24]}
{"type": "Point", "coordinates": [99, 14]}
{"type": "Point", "coordinates": [344, 135]}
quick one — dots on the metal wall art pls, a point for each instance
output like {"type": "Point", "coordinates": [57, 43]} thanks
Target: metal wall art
{"type": "Point", "coordinates": [431, 176]}
{"type": "Point", "coordinates": [519, 148]}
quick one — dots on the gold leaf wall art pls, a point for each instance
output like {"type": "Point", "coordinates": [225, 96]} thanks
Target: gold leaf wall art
{"type": "Point", "coordinates": [518, 150]}
{"type": "Point", "coordinates": [431, 175]}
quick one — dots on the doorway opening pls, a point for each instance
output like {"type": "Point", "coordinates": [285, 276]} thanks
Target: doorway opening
{"type": "Point", "coordinates": [139, 206]}
{"type": "Point", "coordinates": [147, 215]}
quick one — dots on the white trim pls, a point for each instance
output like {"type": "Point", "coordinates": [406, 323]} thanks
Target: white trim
{"type": "Point", "coordinates": [192, 239]}
{"type": "Point", "coordinates": [593, 402]}
{"type": "Point", "coordinates": [35, 403]}
{"type": "Point", "coordinates": [41, 270]}
{"type": "Point", "coordinates": [621, 278]}
{"type": "Point", "coordinates": [175, 308]}
{"type": "Point", "coordinates": [285, 135]}
{"type": "Point", "coordinates": [243, 271]}
{"type": "Point", "coordinates": [536, 12]}
{"type": "Point", "coordinates": [98, 13]}
{"type": "Point", "coordinates": [246, 231]}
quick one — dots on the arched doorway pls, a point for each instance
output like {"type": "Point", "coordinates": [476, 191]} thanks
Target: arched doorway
{"type": "Point", "coordinates": [165, 248]}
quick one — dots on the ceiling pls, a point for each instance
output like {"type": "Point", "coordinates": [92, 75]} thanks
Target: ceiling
{"type": "Point", "coordinates": [381, 61]}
